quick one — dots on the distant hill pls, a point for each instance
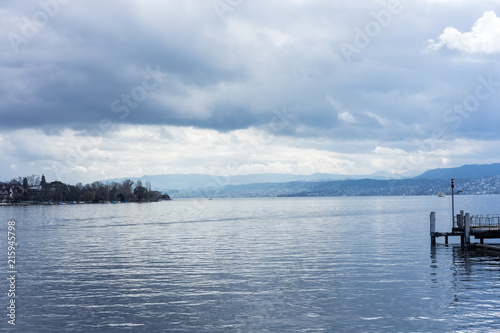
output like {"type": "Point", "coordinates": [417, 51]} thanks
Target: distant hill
{"type": "Point", "coordinates": [171, 182]}
{"type": "Point", "coordinates": [466, 171]}
{"type": "Point", "coordinates": [476, 179]}
{"type": "Point", "coordinates": [195, 181]}
{"type": "Point", "coordinates": [358, 187]}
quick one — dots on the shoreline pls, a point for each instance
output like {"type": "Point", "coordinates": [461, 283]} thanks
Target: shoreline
{"type": "Point", "coordinates": [11, 204]}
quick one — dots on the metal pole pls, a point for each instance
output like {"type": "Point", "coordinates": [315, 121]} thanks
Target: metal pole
{"type": "Point", "coordinates": [452, 210]}
{"type": "Point", "coordinates": [452, 204]}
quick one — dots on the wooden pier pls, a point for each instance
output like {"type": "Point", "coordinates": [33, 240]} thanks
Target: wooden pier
{"type": "Point", "coordinates": [465, 226]}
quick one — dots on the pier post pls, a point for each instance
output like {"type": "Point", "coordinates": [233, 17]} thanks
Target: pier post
{"type": "Point", "coordinates": [467, 228]}
{"type": "Point", "coordinates": [433, 228]}
{"type": "Point", "coordinates": [460, 220]}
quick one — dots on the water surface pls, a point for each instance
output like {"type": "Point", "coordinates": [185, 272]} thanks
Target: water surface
{"type": "Point", "coordinates": [349, 264]}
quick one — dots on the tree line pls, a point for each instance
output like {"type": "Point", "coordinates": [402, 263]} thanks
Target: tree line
{"type": "Point", "coordinates": [36, 189]}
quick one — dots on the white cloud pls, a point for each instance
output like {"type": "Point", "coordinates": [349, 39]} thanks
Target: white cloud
{"type": "Point", "coordinates": [137, 150]}
{"type": "Point", "coordinates": [389, 151]}
{"type": "Point", "coordinates": [343, 114]}
{"type": "Point", "coordinates": [381, 120]}
{"type": "Point", "coordinates": [448, 2]}
{"type": "Point", "coordinates": [347, 117]}
{"type": "Point", "coordinates": [483, 38]}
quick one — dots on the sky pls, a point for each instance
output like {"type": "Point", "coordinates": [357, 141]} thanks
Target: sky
{"type": "Point", "coordinates": [93, 90]}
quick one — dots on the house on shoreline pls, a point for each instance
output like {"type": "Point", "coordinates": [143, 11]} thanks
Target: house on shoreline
{"type": "Point", "coordinates": [14, 192]}
{"type": "Point", "coordinates": [8, 193]}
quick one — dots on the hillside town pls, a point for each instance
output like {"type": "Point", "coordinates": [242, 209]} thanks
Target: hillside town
{"type": "Point", "coordinates": [360, 187]}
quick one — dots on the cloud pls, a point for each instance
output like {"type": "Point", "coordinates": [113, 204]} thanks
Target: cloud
{"type": "Point", "coordinates": [221, 75]}
{"type": "Point", "coordinates": [483, 38]}
{"type": "Point", "coordinates": [169, 86]}
{"type": "Point", "coordinates": [343, 115]}
{"type": "Point", "coordinates": [347, 117]}
{"type": "Point", "coordinates": [137, 150]}
{"type": "Point", "coordinates": [134, 150]}
{"type": "Point", "coordinates": [389, 151]}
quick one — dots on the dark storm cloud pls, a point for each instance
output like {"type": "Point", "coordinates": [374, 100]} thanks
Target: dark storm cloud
{"type": "Point", "coordinates": [182, 63]}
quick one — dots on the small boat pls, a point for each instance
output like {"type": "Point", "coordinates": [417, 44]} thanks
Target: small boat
{"type": "Point", "coordinates": [441, 194]}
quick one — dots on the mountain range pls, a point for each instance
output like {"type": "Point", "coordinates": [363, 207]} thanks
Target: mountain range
{"type": "Point", "coordinates": [170, 182]}
{"type": "Point", "coordinates": [289, 184]}
{"type": "Point", "coordinates": [463, 172]}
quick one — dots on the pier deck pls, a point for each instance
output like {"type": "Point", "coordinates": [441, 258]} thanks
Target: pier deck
{"type": "Point", "coordinates": [483, 232]}
{"type": "Point", "coordinates": [465, 225]}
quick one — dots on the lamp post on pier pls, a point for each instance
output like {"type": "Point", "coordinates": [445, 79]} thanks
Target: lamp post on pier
{"type": "Point", "coordinates": [452, 204]}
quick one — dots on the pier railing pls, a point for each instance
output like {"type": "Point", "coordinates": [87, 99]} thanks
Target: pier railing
{"type": "Point", "coordinates": [465, 225]}
{"type": "Point", "coordinates": [485, 221]}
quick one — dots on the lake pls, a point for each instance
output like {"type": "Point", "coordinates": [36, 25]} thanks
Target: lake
{"type": "Point", "coordinates": [346, 264]}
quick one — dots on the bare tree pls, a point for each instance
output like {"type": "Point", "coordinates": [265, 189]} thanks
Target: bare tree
{"type": "Point", "coordinates": [33, 180]}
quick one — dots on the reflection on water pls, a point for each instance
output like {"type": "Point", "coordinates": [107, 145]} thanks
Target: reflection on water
{"type": "Point", "coordinates": [465, 288]}
{"type": "Point", "coordinates": [249, 265]}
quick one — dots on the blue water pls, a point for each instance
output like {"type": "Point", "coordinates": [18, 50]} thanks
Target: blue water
{"type": "Point", "coordinates": [351, 264]}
